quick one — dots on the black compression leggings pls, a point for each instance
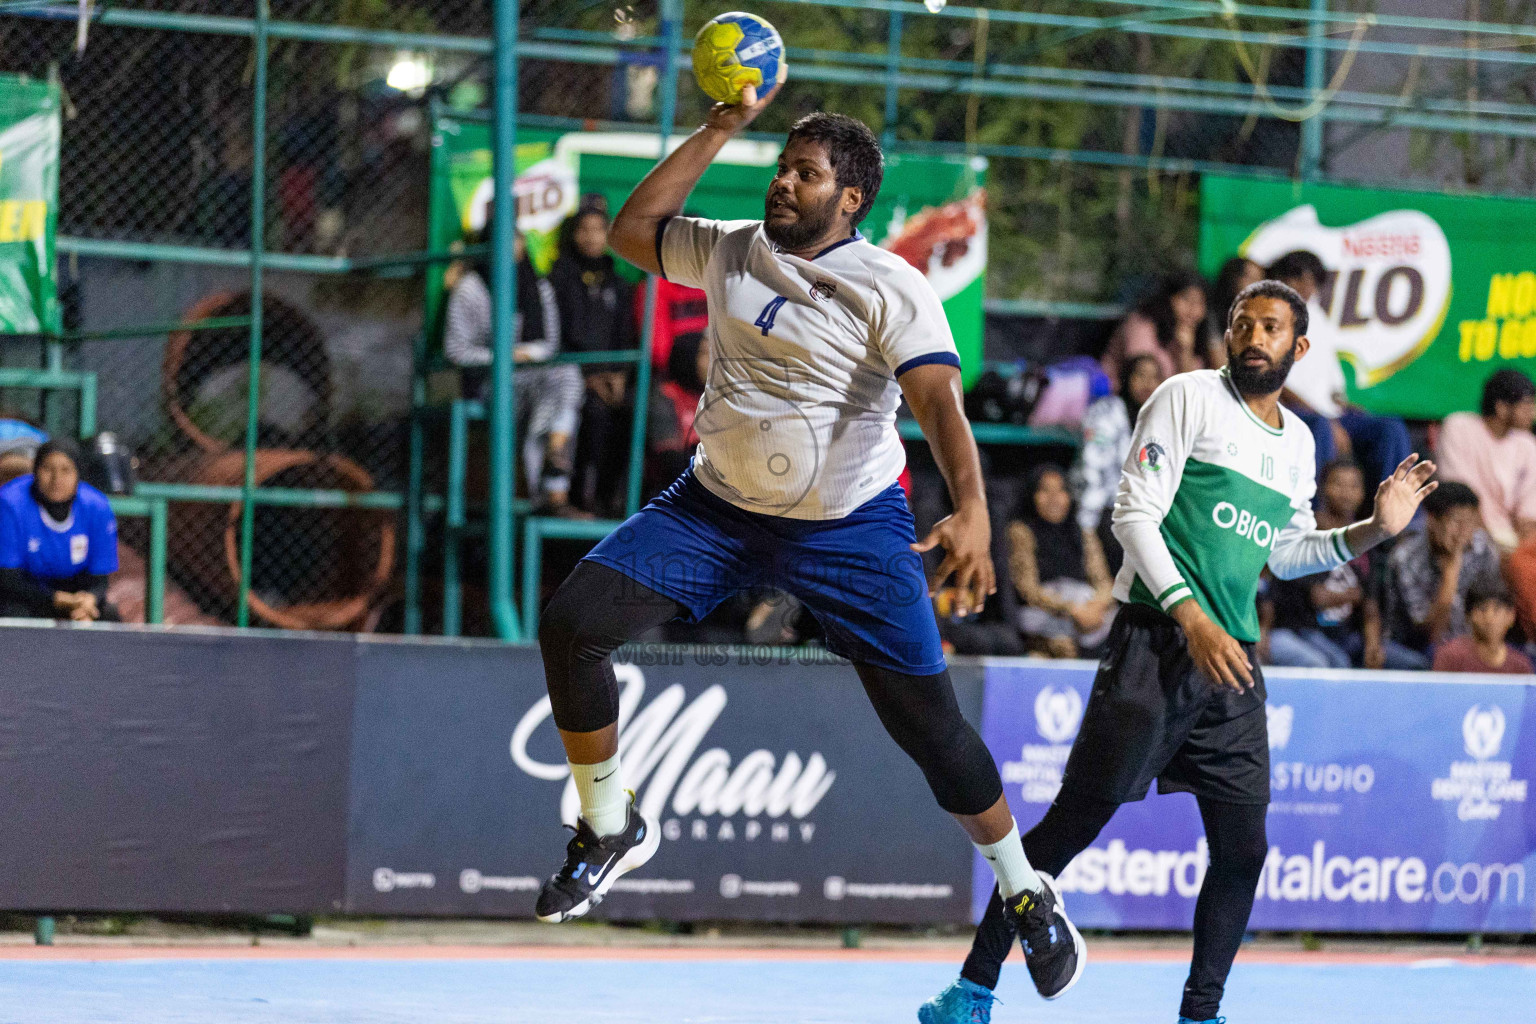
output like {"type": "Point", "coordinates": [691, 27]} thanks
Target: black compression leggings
{"type": "Point", "coordinates": [597, 608]}
{"type": "Point", "coordinates": [1238, 844]}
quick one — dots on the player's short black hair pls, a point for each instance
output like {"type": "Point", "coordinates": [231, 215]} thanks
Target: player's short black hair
{"type": "Point", "coordinates": [1274, 290]}
{"type": "Point", "coordinates": [1297, 264]}
{"type": "Point", "coordinates": [1450, 495]}
{"type": "Point", "coordinates": [852, 149]}
{"type": "Point", "coordinates": [1506, 385]}
{"type": "Point", "coordinates": [1481, 593]}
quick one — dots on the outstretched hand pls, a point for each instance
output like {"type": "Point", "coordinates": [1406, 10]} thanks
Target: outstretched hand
{"type": "Point", "coordinates": [966, 538]}
{"type": "Point", "coordinates": [1399, 496]}
{"type": "Point", "coordinates": [733, 117]}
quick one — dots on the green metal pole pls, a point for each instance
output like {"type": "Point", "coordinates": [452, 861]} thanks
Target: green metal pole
{"type": "Point", "coordinates": [503, 305]}
{"type": "Point", "coordinates": [1316, 69]}
{"type": "Point", "coordinates": [453, 527]}
{"type": "Point", "coordinates": [672, 34]}
{"type": "Point", "coordinates": [892, 72]}
{"type": "Point", "coordinates": [258, 249]}
{"type": "Point", "coordinates": [415, 529]}
{"type": "Point", "coordinates": [155, 598]}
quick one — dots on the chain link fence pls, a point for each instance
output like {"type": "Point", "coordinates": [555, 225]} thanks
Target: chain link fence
{"type": "Point", "coordinates": [1096, 137]}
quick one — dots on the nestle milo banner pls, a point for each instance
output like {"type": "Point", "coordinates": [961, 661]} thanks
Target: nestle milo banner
{"type": "Point", "coordinates": [1399, 802]}
{"type": "Point", "coordinates": [931, 211]}
{"type": "Point", "coordinates": [1427, 293]}
{"type": "Point", "coordinates": [29, 199]}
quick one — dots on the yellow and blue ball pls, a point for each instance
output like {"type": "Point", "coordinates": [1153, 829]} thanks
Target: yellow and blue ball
{"type": "Point", "coordinates": [734, 51]}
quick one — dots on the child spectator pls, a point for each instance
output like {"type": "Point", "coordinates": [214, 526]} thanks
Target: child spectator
{"type": "Point", "coordinates": [596, 315]}
{"type": "Point", "coordinates": [1058, 570]}
{"type": "Point", "coordinates": [1106, 444]}
{"type": "Point", "coordinates": [1491, 614]}
{"type": "Point", "coordinates": [58, 541]}
{"type": "Point", "coordinates": [1493, 452]}
{"type": "Point", "coordinates": [547, 398]}
{"type": "Point", "coordinates": [1429, 573]}
{"type": "Point", "coordinates": [1166, 325]}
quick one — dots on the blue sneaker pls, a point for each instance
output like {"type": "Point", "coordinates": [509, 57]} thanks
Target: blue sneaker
{"type": "Point", "coordinates": [1213, 1020]}
{"type": "Point", "coordinates": [964, 1002]}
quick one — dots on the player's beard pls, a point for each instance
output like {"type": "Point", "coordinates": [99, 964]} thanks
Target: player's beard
{"type": "Point", "coordinates": [809, 226]}
{"type": "Point", "coordinates": [1251, 383]}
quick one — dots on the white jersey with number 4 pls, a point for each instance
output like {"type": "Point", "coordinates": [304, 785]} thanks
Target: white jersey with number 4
{"type": "Point", "coordinates": [798, 416]}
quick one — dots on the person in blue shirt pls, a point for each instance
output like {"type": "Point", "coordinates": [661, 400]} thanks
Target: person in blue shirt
{"type": "Point", "coordinates": [58, 541]}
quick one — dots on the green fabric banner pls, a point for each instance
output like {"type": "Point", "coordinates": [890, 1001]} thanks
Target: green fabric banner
{"type": "Point", "coordinates": [29, 201]}
{"type": "Point", "coordinates": [932, 211]}
{"type": "Point", "coordinates": [1427, 293]}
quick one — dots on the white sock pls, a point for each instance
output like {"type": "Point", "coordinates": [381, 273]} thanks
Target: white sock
{"type": "Point", "coordinates": [1014, 875]}
{"type": "Point", "coordinates": [604, 802]}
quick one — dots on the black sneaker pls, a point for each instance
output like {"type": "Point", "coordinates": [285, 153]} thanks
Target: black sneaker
{"type": "Point", "coordinates": [594, 863]}
{"type": "Point", "coordinates": [1053, 949]}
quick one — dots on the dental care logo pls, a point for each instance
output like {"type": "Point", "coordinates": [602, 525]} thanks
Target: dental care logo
{"type": "Point", "coordinates": [703, 791]}
{"type": "Point", "coordinates": [1387, 288]}
{"type": "Point", "coordinates": [1058, 713]}
{"type": "Point", "coordinates": [1280, 718]}
{"type": "Point", "coordinates": [1303, 787]}
{"type": "Point", "coordinates": [1480, 787]}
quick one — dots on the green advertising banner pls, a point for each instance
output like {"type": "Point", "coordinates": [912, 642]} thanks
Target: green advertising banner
{"type": "Point", "coordinates": [1427, 294]}
{"type": "Point", "coordinates": [29, 200]}
{"type": "Point", "coordinates": [931, 211]}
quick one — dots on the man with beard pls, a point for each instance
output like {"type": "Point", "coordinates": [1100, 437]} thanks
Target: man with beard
{"type": "Point", "coordinates": [815, 335]}
{"type": "Point", "coordinates": [1218, 484]}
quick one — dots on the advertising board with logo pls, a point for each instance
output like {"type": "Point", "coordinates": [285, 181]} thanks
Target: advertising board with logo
{"type": "Point", "coordinates": [1399, 803]}
{"type": "Point", "coordinates": [779, 795]}
{"type": "Point", "coordinates": [1426, 293]}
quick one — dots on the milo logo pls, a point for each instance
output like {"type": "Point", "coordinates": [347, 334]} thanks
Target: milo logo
{"type": "Point", "coordinates": [1229, 517]}
{"type": "Point", "coordinates": [1388, 284]}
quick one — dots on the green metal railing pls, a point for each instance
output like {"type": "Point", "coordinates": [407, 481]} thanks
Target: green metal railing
{"type": "Point", "coordinates": [1315, 30]}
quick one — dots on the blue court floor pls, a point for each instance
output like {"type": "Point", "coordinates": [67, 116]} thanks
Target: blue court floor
{"type": "Point", "coordinates": [631, 991]}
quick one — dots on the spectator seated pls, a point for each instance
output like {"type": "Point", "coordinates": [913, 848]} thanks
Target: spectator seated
{"type": "Point", "coordinates": [1491, 615]}
{"type": "Point", "coordinates": [1430, 573]}
{"type": "Point", "coordinates": [1058, 571]}
{"type": "Point", "coordinates": [58, 542]}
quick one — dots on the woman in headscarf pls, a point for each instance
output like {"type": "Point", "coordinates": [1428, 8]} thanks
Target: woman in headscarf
{"type": "Point", "coordinates": [58, 541]}
{"type": "Point", "coordinates": [1058, 570]}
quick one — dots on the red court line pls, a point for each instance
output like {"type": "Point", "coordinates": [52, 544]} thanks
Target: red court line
{"type": "Point", "coordinates": [947, 954]}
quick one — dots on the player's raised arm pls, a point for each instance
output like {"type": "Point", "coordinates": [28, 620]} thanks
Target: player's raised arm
{"type": "Point", "coordinates": [933, 391]}
{"type": "Point", "coordinates": [662, 192]}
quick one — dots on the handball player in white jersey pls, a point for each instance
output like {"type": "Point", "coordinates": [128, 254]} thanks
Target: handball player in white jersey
{"type": "Point", "coordinates": [815, 335]}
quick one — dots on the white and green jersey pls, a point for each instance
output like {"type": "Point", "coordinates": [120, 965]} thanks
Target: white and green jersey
{"type": "Point", "coordinates": [1210, 494]}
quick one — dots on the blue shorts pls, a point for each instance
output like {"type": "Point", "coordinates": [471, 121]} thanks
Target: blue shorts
{"type": "Point", "coordinates": [858, 575]}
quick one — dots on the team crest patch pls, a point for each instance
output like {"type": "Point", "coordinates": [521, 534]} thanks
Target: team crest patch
{"type": "Point", "coordinates": [823, 290]}
{"type": "Point", "coordinates": [1151, 456]}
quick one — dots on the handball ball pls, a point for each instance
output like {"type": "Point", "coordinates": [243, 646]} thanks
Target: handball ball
{"type": "Point", "coordinates": [734, 51]}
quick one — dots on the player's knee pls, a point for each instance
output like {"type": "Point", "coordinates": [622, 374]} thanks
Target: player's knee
{"type": "Point", "coordinates": [1241, 855]}
{"type": "Point", "coordinates": [573, 626]}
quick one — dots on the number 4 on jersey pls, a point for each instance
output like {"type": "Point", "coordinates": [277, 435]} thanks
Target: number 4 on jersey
{"type": "Point", "coordinates": [765, 318]}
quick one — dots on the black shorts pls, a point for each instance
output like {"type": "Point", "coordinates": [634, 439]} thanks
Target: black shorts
{"type": "Point", "coordinates": [1154, 715]}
